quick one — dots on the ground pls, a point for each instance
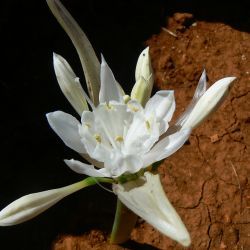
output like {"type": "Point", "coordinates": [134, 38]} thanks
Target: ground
{"type": "Point", "coordinates": [208, 180]}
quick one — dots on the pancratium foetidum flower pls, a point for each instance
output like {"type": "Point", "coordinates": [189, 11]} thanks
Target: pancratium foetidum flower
{"type": "Point", "coordinates": [120, 135]}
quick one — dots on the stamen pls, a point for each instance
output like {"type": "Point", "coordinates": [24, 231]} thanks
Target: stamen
{"type": "Point", "coordinates": [109, 106]}
{"type": "Point", "coordinates": [147, 124]}
{"type": "Point", "coordinates": [119, 138]}
{"type": "Point", "coordinates": [133, 108]}
{"type": "Point", "coordinates": [87, 125]}
{"type": "Point", "coordinates": [98, 138]}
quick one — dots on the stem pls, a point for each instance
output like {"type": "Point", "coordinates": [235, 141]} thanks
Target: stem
{"type": "Point", "coordinates": [124, 222]}
{"type": "Point", "coordinates": [90, 181]}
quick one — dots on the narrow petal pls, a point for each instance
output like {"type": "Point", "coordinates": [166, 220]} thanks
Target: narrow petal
{"type": "Point", "coordinates": [69, 84]}
{"type": "Point", "coordinates": [200, 90]}
{"type": "Point", "coordinates": [144, 78]}
{"type": "Point", "coordinates": [142, 90]}
{"type": "Point", "coordinates": [110, 89]}
{"type": "Point", "coordinates": [66, 127]}
{"type": "Point", "coordinates": [166, 147]}
{"type": "Point", "coordinates": [209, 102]}
{"type": "Point", "coordinates": [147, 199]}
{"type": "Point", "coordinates": [29, 206]}
{"type": "Point", "coordinates": [89, 61]}
{"type": "Point", "coordinates": [82, 168]}
{"type": "Point", "coordinates": [143, 66]}
{"type": "Point", "coordinates": [162, 105]}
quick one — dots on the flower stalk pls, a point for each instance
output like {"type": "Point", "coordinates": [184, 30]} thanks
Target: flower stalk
{"type": "Point", "coordinates": [123, 225]}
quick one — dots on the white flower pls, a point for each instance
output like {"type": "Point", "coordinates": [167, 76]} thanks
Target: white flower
{"type": "Point", "coordinates": [146, 197]}
{"type": "Point", "coordinates": [123, 136]}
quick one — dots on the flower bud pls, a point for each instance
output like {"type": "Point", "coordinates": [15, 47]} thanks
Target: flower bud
{"type": "Point", "coordinates": [69, 84]}
{"type": "Point", "coordinates": [208, 102]}
{"type": "Point", "coordinates": [144, 78]}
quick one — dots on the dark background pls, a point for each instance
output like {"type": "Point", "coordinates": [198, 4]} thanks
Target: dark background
{"type": "Point", "coordinates": [31, 154]}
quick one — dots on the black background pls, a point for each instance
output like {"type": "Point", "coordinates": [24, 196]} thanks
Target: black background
{"type": "Point", "coordinates": [31, 154]}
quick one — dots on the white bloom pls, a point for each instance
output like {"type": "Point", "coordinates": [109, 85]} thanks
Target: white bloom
{"type": "Point", "coordinates": [146, 197]}
{"type": "Point", "coordinates": [123, 136]}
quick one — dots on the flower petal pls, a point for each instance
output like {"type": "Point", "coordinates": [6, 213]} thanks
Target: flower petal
{"type": "Point", "coordinates": [82, 168]}
{"type": "Point", "coordinates": [166, 147]}
{"type": "Point", "coordinates": [66, 127]}
{"type": "Point", "coordinates": [200, 90]}
{"type": "Point", "coordinates": [144, 78]}
{"type": "Point", "coordinates": [89, 61]}
{"type": "Point", "coordinates": [138, 134]}
{"type": "Point", "coordinates": [144, 67]}
{"type": "Point", "coordinates": [29, 206]}
{"type": "Point", "coordinates": [162, 105]}
{"type": "Point", "coordinates": [147, 199]}
{"type": "Point", "coordinates": [142, 90]}
{"type": "Point", "coordinates": [110, 89]}
{"type": "Point", "coordinates": [209, 102]}
{"type": "Point", "coordinates": [119, 163]}
{"type": "Point", "coordinates": [69, 84]}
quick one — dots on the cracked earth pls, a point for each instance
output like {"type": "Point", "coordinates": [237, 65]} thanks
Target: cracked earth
{"type": "Point", "coordinates": [208, 180]}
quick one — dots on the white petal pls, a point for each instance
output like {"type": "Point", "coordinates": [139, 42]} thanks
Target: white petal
{"type": "Point", "coordinates": [208, 103]}
{"type": "Point", "coordinates": [143, 66]}
{"type": "Point", "coordinates": [200, 90]}
{"type": "Point", "coordinates": [110, 90]}
{"type": "Point", "coordinates": [142, 90]}
{"type": "Point", "coordinates": [69, 84]}
{"type": "Point", "coordinates": [148, 200]}
{"type": "Point", "coordinates": [89, 61]}
{"type": "Point", "coordinates": [119, 163]}
{"type": "Point", "coordinates": [66, 127]}
{"type": "Point", "coordinates": [202, 86]}
{"type": "Point", "coordinates": [82, 168]}
{"type": "Point", "coordinates": [144, 78]}
{"type": "Point", "coordinates": [162, 105]}
{"type": "Point", "coordinates": [137, 134]}
{"type": "Point", "coordinates": [96, 149]}
{"type": "Point", "coordinates": [29, 206]}
{"type": "Point", "coordinates": [166, 147]}
{"type": "Point", "coordinates": [111, 121]}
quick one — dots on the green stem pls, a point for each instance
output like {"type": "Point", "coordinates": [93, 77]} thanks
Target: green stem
{"type": "Point", "coordinates": [90, 181]}
{"type": "Point", "coordinates": [124, 223]}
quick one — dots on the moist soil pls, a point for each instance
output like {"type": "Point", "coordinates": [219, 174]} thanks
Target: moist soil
{"type": "Point", "coordinates": [208, 180]}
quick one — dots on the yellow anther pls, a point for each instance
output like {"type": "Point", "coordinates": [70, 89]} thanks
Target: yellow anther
{"type": "Point", "coordinates": [133, 108]}
{"type": "Point", "coordinates": [87, 125]}
{"type": "Point", "coordinates": [119, 138]}
{"type": "Point", "coordinates": [98, 138]}
{"type": "Point", "coordinates": [147, 124]}
{"type": "Point", "coordinates": [109, 106]}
